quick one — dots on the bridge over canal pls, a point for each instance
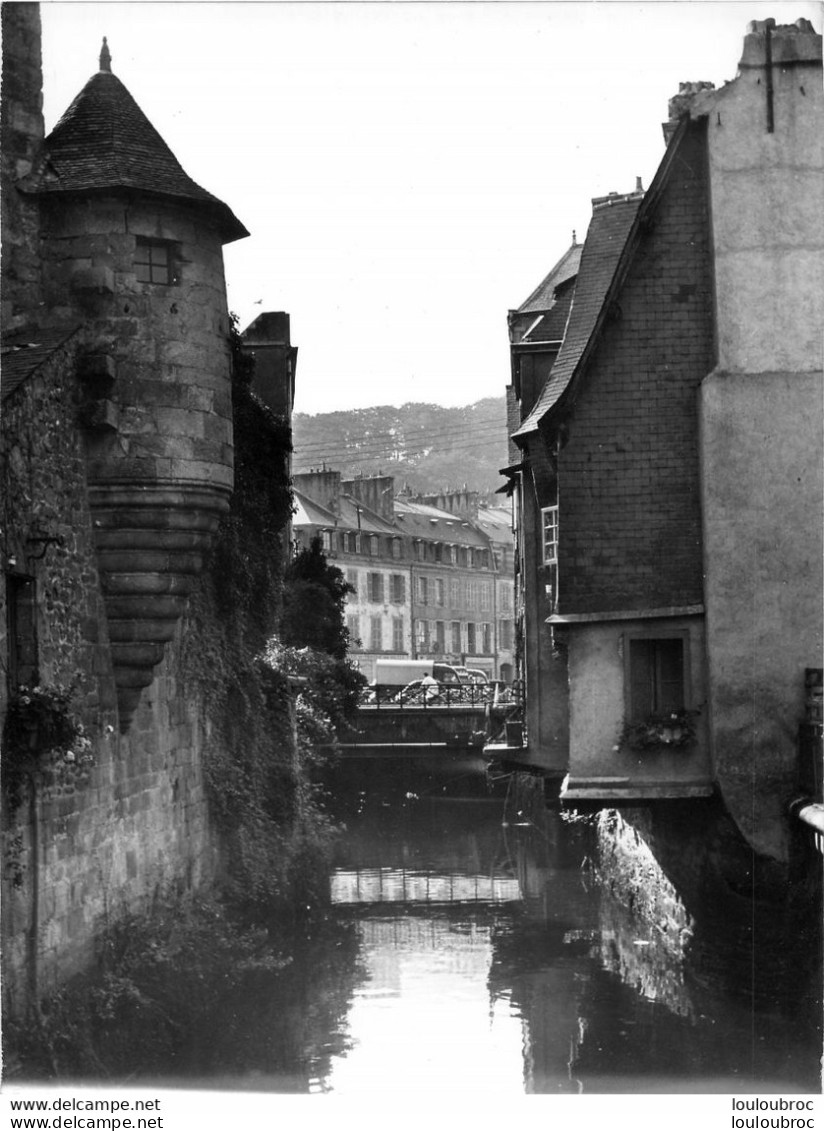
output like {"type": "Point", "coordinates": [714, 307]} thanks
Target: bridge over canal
{"type": "Point", "coordinates": [449, 723]}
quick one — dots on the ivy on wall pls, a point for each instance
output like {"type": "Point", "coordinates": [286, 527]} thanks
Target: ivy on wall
{"type": "Point", "coordinates": [272, 709]}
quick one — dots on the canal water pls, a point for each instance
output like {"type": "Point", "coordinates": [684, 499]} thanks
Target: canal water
{"type": "Point", "coordinates": [473, 946]}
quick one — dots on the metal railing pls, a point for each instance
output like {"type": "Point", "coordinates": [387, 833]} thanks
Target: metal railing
{"type": "Point", "coordinates": [418, 695]}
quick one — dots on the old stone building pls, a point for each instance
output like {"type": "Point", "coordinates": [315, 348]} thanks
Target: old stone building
{"type": "Point", "coordinates": [117, 465]}
{"type": "Point", "coordinates": [671, 453]}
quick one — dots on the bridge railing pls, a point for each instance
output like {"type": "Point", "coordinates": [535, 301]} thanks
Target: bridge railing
{"type": "Point", "coordinates": [417, 696]}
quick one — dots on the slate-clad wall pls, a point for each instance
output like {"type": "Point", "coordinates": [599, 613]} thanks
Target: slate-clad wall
{"type": "Point", "coordinates": [629, 475]}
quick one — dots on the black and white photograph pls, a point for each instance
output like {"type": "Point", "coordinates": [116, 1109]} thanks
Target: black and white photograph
{"type": "Point", "coordinates": [412, 526]}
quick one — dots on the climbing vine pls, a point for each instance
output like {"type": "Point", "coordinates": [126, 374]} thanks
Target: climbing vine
{"type": "Point", "coordinates": [272, 711]}
{"type": "Point", "coordinates": [42, 735]}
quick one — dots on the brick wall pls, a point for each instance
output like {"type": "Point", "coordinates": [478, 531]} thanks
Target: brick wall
{"type": "Point", "coordinates": [629, 475]}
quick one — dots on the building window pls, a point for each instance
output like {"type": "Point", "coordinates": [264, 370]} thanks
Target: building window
{"type": "Point", "coordinates": [455, 593]}
{"type": "Point", "coordinates": [397, 633]}
{"type": "Point", "coordinates": [486, 638]}
{"type": "Point", "coordinates": [423, 590]}
{"type": "Point", "coordinates": [397, 547]}
{"type": "Point", "coordinates": [486, 597]}
{"type": "Point", "coordinates": [374, 587]}
{"type": "Point", "coordinates": [420, 550]}
{"type": "Point", "coordinates": [398, 586]}
{"type": "Point", "coordinates": [22, 630]}
{"type": "Point", "coordinates": [471, 592]}
{"type": "Point", "coordinates": [462, 555]}
{"type": "Point", "coordinates": [353, 628]}
{"type": "Point", "coordinates": [656, 676]}
{"type": "Point", "coordinates": [352, 579]}
{"type": "Point", "coordinates": [374, 545]}
{"type": "Point", "coordinates": [422, 635]}
{"type": "Point", "coordinates": [456, 636]}
{"type": "Point", "coordinates": [505, 631]}
{"type": "Point", "coordinates": [355, 543]}
{"type": "Point", "coordinates": [470, 637]}
{"type": "Point", "coordinates": [549, 519]}
{"type": "Point", "coordinates": [440, 636]}
{"type": "Point", "coordinates": [154, 262]}
{"type": "Point", "coordinates": [375, 634]}
{"type": "Point", "coordinates": [326, 541]}
{"type": "Point", "coordinates": [440, 591]}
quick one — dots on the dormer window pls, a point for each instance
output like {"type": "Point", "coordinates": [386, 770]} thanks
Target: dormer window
{"type": "Point", "coordinates": [154, 262]}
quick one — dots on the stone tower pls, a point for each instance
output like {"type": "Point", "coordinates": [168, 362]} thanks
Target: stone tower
{"type": "Point", "coordinates": [132, 251]}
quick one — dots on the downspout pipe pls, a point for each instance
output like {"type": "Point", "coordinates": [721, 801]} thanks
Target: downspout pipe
{"type": "Point", "coordinates": [769, 84]}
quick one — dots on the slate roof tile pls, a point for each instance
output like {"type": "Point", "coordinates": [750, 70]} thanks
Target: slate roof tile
{"type": "Point", "coordinates": [24, 352]}
{"type": "Point", "coordinates": [423, 521]}
{"type": "Point", "coordinates": [566, 268]}
{"type": "Point", "coordinates": [105, 141]}
{"type": "Point", "coordinates": [609, 228]}
{"type": "Point", "coordinates": [552, 324]}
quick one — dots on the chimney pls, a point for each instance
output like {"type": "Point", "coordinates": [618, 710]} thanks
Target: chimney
{"type": "Point", "coordinates": [267, 341]}
{"type": "Point", "coordinates": [782, 44]}
{"type": "Point", "coordinates": [680, 103]}
{"type": "Point", "coordinates": [462, 502]}
{"type": "Point", "coordinates": [377, 492]}
{"type": "Point", "coordinates": [322, 487]}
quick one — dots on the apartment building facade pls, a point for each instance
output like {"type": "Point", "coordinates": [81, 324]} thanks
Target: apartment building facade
{"type": "Point", "coordinates": [426, 581]}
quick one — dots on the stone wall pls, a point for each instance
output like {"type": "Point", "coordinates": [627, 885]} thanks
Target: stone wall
{"type": "Point", "coordinates": [168, 344]}
{"type": "Point", "coordinates": [158, 407]}
{"type": "Point", "coordinates": [20, 139]}
{"type": "Point", "coordinates": [717, 917]}
{"type": "Point", "coordinates": [139, 827]}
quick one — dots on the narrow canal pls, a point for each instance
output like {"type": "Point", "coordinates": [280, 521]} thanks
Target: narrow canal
{"type": "Point", "coordinates": [473, 946]}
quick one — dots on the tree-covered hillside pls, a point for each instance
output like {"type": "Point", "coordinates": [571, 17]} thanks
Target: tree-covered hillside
{"type": "Point", "coordinates": [426, 446]}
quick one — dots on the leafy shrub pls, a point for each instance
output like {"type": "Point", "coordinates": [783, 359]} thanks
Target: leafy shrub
{"type": "Point", "coordinates": [41, 734]}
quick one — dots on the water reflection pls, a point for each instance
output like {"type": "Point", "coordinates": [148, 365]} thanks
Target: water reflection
{"type": "Point", "coordinates": [498, 955]}
{"type": "Point", "coordinates": [478, 942]}
{"type": "Point", "coordinates": [422, 1021]}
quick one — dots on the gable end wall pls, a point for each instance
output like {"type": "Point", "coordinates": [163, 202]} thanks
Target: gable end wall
{"type": "Point", "coordinates": [630, 535]}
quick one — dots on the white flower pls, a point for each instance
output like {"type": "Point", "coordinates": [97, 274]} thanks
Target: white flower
{"type": "Point", "coordinates": [68, 756]}
{"type": "Point", "coordinates": [109, 728]}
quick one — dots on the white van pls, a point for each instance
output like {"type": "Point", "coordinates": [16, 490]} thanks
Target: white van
{"type": "Point", "coordinates": [400, 673]}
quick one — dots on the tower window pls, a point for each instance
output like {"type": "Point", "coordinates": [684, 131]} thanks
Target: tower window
{"type": "Point", "coordinates": [154, 262]}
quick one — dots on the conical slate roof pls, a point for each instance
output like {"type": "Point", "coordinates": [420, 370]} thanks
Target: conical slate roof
{"type": "Point", "coordinates": [104, 141]}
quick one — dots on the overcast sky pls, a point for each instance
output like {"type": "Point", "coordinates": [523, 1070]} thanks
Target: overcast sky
{"type": "Point", "coordinates": [408, 171]}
